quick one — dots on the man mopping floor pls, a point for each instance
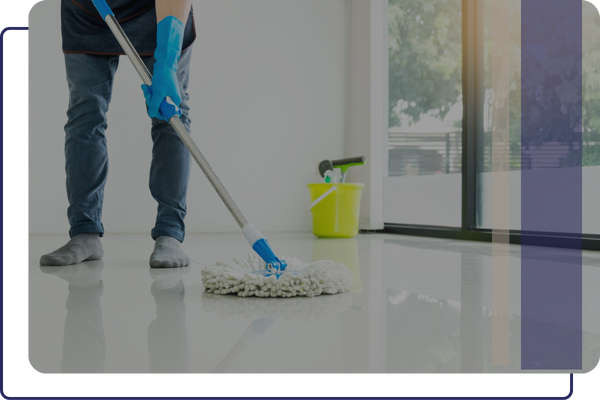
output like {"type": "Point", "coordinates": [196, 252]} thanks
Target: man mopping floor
{"type": "Point", "coordinates": [264, 274]}
{"type": "Point", "coordinates": [163, 32]}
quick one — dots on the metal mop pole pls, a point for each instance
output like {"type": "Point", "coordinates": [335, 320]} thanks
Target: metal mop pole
{"type": "Point", "coordinates": [253, 236]}
{"type": "Point", "coordinates": [175, 122]}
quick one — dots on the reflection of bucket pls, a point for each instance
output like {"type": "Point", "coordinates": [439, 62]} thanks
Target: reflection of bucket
{"type": "Point", "coordinates": [335, 208]}
{"type": "Point", "coordinates": [343, 251]}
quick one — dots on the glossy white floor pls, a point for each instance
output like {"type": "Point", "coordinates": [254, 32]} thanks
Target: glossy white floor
{"type": "Point", "coordinates": [417, 305]}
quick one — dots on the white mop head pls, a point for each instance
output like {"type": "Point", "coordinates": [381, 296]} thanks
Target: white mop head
{"type": "Point", "coordinates": [312, 279]}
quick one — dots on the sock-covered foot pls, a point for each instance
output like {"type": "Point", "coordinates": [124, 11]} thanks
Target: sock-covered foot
{"type": "Point", "coordinates": [82, 247]}
{"type": "Point", "coordinates": [168, 253]}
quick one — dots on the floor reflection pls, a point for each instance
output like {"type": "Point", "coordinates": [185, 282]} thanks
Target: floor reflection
{"type": "Point", "coordinates": [255, 329]}
{"type": "Point", "coordinates": [454, 333]}
{"type": "Point", "coordinates": [265, 312]}
{"type": "Point", "coordinates": [343, 251]}
{"type": "Point", "coordinates": [84, 344]}
{"type": "Point", "coordinates": [417, 305]}
{"type": "Point", "coordinates": [168, 344]}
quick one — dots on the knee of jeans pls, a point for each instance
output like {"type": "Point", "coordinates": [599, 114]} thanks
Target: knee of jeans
{"type": "Point", "coordinates": [89, 114]}
{"type": "Point", "coordinates": [84, 99]}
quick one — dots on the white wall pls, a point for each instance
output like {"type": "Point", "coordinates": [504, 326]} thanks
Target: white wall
{"type": "Point", "coordinates": [267, 98]}
{"type": "Point", "coordinates": [367, 37]}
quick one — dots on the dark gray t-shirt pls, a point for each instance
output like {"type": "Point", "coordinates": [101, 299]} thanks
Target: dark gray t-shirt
{"type": "Point", "coordinates": [84, 31]}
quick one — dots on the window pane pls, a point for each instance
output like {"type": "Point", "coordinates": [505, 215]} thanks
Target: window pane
{"type": "Point", "coordinates": [591, 118]}
{"type": "Point", "coordinates": [423, 183]}
{"type": "Point", "coordinates": [499, 149]}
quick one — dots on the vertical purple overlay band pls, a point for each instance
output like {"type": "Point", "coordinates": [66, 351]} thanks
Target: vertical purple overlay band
{"type": "Point", "coordinates": [551, 184]}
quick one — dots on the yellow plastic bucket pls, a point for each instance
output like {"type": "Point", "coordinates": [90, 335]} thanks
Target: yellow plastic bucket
{"type": "Point", "coordinates": [335, 209]}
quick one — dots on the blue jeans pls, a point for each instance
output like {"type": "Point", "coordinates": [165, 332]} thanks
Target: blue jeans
{"type": "Point", "coordinates": [90, 79]}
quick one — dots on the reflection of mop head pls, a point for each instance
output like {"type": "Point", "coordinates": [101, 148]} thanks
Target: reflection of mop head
{"type": "Point", "coordinates": [255, 329]}
{"type": "Point", "coordinates": [314, 309]}
{"type": "Point", "coordinates": [298, 279]}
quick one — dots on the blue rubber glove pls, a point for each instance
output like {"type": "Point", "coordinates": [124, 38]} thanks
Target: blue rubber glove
{"type": "Point", "coordinates": [169, 39]}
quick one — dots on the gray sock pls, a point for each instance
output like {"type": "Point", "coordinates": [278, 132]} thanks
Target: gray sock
{"type": "Point", "coordinates": [82, 247]}
{"type": "Point", "coordinates": [168, 253]}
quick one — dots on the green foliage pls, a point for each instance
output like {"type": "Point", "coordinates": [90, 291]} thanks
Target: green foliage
{"type": "Point", "coordinates": [425, 70]}
{"type": "Point", "coordinates": [425, 57]}
{"type": "Point", "coordinates": [591, 85]}
{"type": "Point", "coordinates": [581, 105]}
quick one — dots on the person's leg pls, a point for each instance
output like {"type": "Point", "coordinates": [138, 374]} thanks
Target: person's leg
{"type": "Point", "coordinates": [169, 176]}
{"type": "Point", "coordinates": [90, 80]}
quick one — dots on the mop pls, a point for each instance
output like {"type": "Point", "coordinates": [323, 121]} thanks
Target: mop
{"type": "Point", "coordinates": [252, 277]}
{"type": "Point", "coordinates": [258, 276]}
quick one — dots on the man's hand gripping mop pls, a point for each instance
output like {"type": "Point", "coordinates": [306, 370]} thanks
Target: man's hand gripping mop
{"type": "Point", "coordinates": [264, 276]}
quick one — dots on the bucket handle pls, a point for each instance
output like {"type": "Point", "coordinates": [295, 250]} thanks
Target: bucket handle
{"type": "Point", "coordinates": [321, 197]}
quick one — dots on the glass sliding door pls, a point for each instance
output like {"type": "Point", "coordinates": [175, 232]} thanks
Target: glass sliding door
{"type": "Point", "coordinates": [423, 180]}
{"type": "Point", "coordinates": [500, 153]}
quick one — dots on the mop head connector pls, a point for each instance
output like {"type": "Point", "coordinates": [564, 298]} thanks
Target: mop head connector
{"type": "Point", "coordinates": [273, 263]}
{"type": "Point", "coordinates": [250, 277]}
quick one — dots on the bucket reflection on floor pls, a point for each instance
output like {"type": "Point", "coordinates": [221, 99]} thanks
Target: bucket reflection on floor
{"type": "Point", "coordinates": [343, 251]}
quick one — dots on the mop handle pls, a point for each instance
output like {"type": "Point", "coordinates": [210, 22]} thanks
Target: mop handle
{"type": "Point", "coordinates": [174, 120]}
